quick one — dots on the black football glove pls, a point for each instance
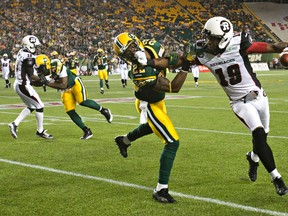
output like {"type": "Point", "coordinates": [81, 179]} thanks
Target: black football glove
{"type": "Point", "coordinates": [43, 79]}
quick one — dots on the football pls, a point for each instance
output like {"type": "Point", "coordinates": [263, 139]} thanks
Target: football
{"type": "Point", "coordinates": [283, 58]}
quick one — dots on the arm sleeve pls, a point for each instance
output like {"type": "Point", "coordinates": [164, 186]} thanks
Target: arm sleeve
{"type": "Point", "coordinates": [27, 67]}
{"type": "Point", "coordinates": [257, 47]}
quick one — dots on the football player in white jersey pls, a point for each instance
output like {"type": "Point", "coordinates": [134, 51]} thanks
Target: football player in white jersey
{"type": "Point", "coordinates": [25, 74]}
{"type": "Point", "coordinates": [123, 68]}
{"type": "Point", "coordinates": [225, 53]}
{"type": "Point", "coordinates": [195, 71]}
{"type": "Point", "coordinates": [5, 67]}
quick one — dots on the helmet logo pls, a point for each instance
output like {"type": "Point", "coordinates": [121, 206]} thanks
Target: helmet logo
{"type": "Point", "coordinates": [32, 40]}
{"type": "Point", "coordinates": [131, 36]}
{"type": "Point", "coordinates": [225, 26]}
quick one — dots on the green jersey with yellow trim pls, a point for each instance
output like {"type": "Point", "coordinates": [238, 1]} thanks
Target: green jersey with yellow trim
{"type": "Point", "coordinates": [63, 72]}
{"type": "Point", "coordinates": [100, 61]}
{"type": "Point", "coordinates": [72, 63]}
{"type": "Point", "coordinates": [144, 78]}
{"type": "Point", "coordinates": [71, 78]}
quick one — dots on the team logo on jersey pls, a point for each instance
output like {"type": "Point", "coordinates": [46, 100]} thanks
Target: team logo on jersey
{"type": "Point", "coordinates": [225, 26]}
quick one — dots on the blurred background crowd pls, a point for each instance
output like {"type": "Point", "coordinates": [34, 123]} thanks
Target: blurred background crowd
{"type": "Point", "coordinates": [84, 26]}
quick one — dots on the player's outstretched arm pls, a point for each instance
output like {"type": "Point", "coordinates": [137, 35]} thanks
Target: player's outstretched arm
{"type": "Point", "coordinates": [163, 84]}
{"type": "Point", "coordinates": [263, 47]}
{"type": "Point", "coordinates": [276, 47]}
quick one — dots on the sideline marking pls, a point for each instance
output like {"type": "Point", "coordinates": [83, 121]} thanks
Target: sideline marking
{"type": "Point", "coordinates": [111, 181]}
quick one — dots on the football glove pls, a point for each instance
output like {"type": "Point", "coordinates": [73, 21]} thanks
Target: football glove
{"type": "Point", "coordinates": [141, 57]}
{"type": "Point", "coordinates": [173, 58]}
{"type": "Point", "coordinates": [199, 46]}
{"type": "Point", "coordinates": [43, 79]}
{"type": "Point", "coordinates": [189, 52]}
{"type": "Point", "coordinates": [189, 55]}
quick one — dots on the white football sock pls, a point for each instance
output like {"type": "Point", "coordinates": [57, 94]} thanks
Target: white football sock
{"type": "Point", "coordinates": [126, 140]}
{"type": "Point", "coordinates": [39, 118]}
{"type": "Point", "coordinates": [161, 186]}
{"type": "Point", "coordinates": [24, 113]}
{"type": "Point", "coordinates": [275, 174]}
{"type": "Point", "coordinates": [254, 157]}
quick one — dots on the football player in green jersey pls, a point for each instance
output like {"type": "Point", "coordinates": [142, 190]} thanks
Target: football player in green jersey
{"type": "Point", "coordinates": [72, 90]}
{"type": "Point", "coordinates": [150, 87]}
{"type": "Point", "coordinates": [100, 60]}
{"type": "Point", "coordinates": [73, 63]}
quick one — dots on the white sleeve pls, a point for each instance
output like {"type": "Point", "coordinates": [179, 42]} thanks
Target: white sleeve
{"type": "Point", "coordinates": [63, 73]}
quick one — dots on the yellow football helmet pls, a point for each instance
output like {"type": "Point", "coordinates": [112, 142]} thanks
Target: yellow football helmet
{"type": "Point", "coordinates": [43, 65]}
{"type": "Point", "coordinates": [100, 52]}
{"type": "Point", "coordinates": [54, 53]}
{"type": "Point", "coordinates": [124, 41]}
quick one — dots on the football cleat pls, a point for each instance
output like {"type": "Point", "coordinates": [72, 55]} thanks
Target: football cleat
{"type": "Point", "coordinates": [252, 172]}
{"type": "Point", "coordinates": [44, 134]}
{"type": "Point", "coordinates": [13, 130]}
{"type": "Point", "coordinates": [163, 196]}
{"type": "Point", "coordinates": [107, 113]}
{"type": "Point", "coordinates": [107, 86]}
{"type": "Point", "coordinates": [87, 134]}
{"type": "Point", "coordinates": [102, 91]}
{"type": "Point", "coordinates": [280, 186]}
{"type": "Point", "coordinates": [122, 146]}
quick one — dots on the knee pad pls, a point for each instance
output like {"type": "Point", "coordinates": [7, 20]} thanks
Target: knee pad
{"type": "Point", "coordinates": [31, 110]}
{"type": "Point", "coordinates": [40, 110]}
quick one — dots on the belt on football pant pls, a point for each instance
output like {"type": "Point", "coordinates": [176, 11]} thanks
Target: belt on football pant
{"type": "Point", "coordinates": [250, 96]}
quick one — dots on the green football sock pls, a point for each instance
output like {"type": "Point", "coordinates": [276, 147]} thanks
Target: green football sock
{"type": "Point", "coordinates": [76, 119]}
{"type": "Point", "coordinates": [166, 161]}
{"type": "Point", "coordinates": [91, 104]}
{"type": "Point", "coordinates": [140, 131]}
{"type": "Point", "coordinates": [101, 83]}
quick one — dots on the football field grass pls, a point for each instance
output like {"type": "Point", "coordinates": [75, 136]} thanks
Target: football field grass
{"type": "Point", "coordinates": [67, 176]}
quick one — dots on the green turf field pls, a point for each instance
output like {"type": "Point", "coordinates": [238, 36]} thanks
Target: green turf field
{"type": "Point", "coordinates": [67, 176]}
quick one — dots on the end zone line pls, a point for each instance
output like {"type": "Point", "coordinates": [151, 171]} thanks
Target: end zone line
{"type": "Point", "coordinates": [204, 199]}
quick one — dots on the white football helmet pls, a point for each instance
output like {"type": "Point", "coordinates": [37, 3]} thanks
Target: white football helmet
{"type": "Point", "coordinates": [219, 27]}
{"type": "Point", "coordinates": [30, 42]}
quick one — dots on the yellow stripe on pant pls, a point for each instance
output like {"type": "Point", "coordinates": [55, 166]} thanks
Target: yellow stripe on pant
{"type": "Point", "coordinates": [159, 121]}
{"type": "Point", "coordinates": [73, 95]}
